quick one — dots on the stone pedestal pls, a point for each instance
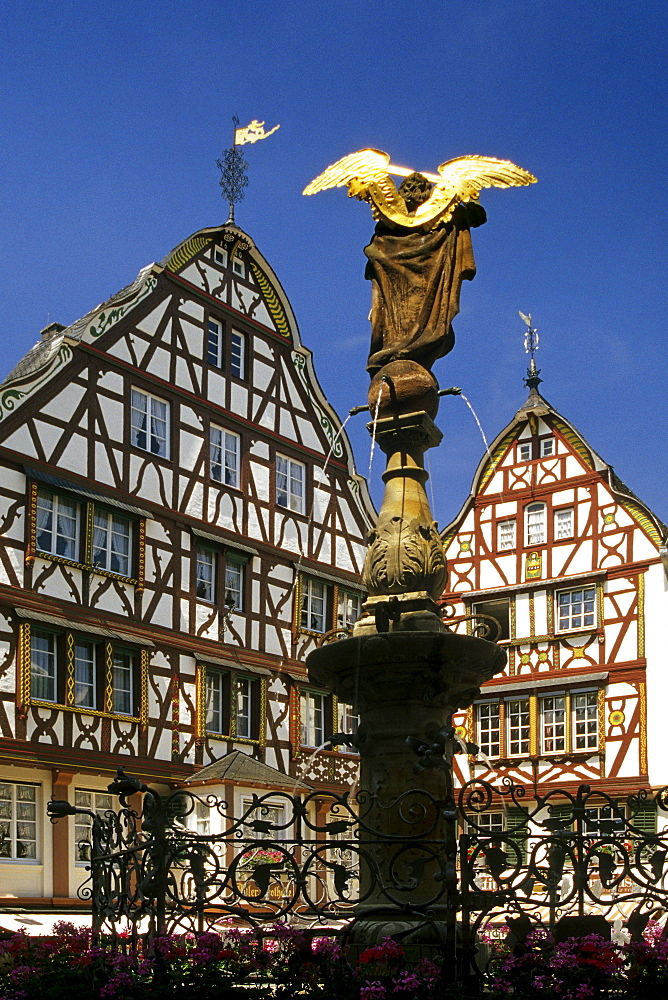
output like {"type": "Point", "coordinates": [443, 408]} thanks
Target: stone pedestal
{"type": "Point", "coordinates": [403, 684]}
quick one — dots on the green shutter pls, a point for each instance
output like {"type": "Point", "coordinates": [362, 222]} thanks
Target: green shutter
{"type": "Point", "coordinates": [518, 831]}
{"type": "Point", "coordinates": [645, 818]}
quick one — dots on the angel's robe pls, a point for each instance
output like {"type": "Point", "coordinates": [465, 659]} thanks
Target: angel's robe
{"type": "Point", "coordinates": [416, 280]}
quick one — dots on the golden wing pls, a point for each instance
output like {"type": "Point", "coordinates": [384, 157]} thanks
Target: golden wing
{"type": "Point", "coordinates": [463, 178]}
{"type": "Point", "coordinates": [364, 165]}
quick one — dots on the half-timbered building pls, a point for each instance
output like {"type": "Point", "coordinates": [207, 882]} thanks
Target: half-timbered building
{"type": "Point", "coordinates": [181, 520]}
{"type": "Point", "coordinates": [566, 567]}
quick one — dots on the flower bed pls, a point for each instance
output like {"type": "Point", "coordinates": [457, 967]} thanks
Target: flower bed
{"type": "Point", "coordinates": [284, 963]}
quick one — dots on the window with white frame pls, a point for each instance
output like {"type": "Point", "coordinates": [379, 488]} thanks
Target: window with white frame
{"type": "Point", "coordinates": [214, 343]}
{"type": "Point", "coordinates": [563, 523]}
{"type": "Point", "coordinates": [238, 354]}
{"type": "Point", "coordinates": [245, 698]}
{"type": "Point", "coordinates": [265, 822]}
{"type": "Point", "coordinates": [488, 823]}
{"type": "Point", "coordinates": [290, 484]}
{"type": "Point", "coordinates": [546, 447]}
{"type": "Point", "coordinates": [57, 525]}
{"type": "Point", "coordinates": [524, 450]}
{"type": "Point", "coordinates": [234, 582]}
{"type": "Point", "coordinates": [518, 727]}
{"type": "Point", "coordinates": [312, 709]}
{"type": "Point", "coordinates": [202, 818]}
{"type": "Point", "coordinates": [18, 821]}
{"type": "Point", "coordinates": [498, 609]}
{"type": "Point", "coordinates": [214, 708]}
{"type": "Point", "coordinates": [576, 608]}
{"type": "Point", "coordinates": [97, 802]}
{"type": "Point", "coordinates": [112, 543]}
{"type": "Point", "coordinates": [238, 266]}
{"type": "Point", "coordinates": [535, 523]}
{"type": "Point", "coordinates": [604, 820]}
{"type": "Point", "coordinates": [149, 426]}
{"type": "Point", "coordinates": [205, 574]}
{"type": "Point", "coordinates": [348, 722]}
{"type": "Point", "coordinates": [489, 729]}
{"type": "Point", "coordinates": [314, 605]}
{"type": "Point", "coordinates": [348, 608]}
{"type": "Point", "coordinates": [220, 256]}
{"type": "Point", "coordinates": [43, 665]}
{"type": "Point", "coordinates": [553, 723]}
{"type": "Point", "coordinates": [224, 456]}
{"type": "Point", "coordinates": [584, 710]}
{"type": "Point", "coordinates": [122, 685]}
{"type": "Point", "coordinates": [505, 537]}
{"type": "Point", "coordinates": [85, 674]}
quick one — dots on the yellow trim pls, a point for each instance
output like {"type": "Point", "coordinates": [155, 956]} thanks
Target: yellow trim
{"type": "Point", "coordinates": [262, 718]}
{"type": "Point", "coordinates": [84, 711]}
{"type": "Point", "coordinates": [187, 251]}
{"type": "Point", "coordinates": [492, 463]}
{"type": "Point", "coordinates": [533, 724]}
{"type": "Point", "coordinates": [271, 299]}
{"type": "Point", "coordinates": [641, 616]}
{"type": "Point", "coordinates": [641, 518]}
{"type": "Point", "coordinates": [85, 565]}
{"type": "Point", "coordinates": [200, 694]}
{"type": "Point", "coordinates": [90, 527]}
{"type": "Point", "coordinates": [69, 669]}
{"type": "Point", "coordinates": [568, 729]}
{"type": "Point", "coordinates": [143, 687]}
{"type": "Point", "coordinates": [108, 678]}
{"type": "Point", "coordinates": [31, 547]}
{"type": "Point", "coordinates": [642, 696]}
{"type": "Point", "coordinates": [576, 443]}
{"type": "Point", "coordinates": [601, 729]}
{"type": "Point", "coordinates": [24, 666]}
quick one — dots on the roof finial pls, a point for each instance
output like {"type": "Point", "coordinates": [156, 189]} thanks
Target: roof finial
{"type": "Point", "coordinates": [532, 381]}
{"type": "Point", "coordinates": [233, 165]}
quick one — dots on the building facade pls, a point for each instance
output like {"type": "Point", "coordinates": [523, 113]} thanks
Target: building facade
{"type": "Point", "coordinates": [180, 522]}
{"type": "Point", "coordinates": [567, 569]}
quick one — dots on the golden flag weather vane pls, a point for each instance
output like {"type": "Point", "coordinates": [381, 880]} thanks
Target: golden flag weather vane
{"type": "Point", "coordinates": [366, 174]}
{"type": "Point", "coordinates": [233, 165]}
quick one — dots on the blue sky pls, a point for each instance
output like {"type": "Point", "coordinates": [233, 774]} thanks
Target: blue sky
{"type": "Point", "coordinates": [112, 117]}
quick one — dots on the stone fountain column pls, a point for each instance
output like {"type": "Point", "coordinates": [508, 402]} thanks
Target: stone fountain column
{"type": "Point", "coordinates": [405, 673]}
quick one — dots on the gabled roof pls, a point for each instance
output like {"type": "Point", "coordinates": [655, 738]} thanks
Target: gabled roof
{"type": "Point", "coordinates": [537, 406]}
{"type": "Point", "coordinates": [239, 767]}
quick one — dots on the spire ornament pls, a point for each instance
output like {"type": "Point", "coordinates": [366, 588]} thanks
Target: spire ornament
{"type": "Point", "coordinates": [531, 339]}
{"type": "Point", "coordinates": [233, 165]}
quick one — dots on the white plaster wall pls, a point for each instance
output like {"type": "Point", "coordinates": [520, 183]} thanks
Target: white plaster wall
{"type": "Point", "coordinates": [656, 616]}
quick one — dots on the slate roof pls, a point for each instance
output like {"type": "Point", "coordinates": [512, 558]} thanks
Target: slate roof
{"type": "Point", "coordinates": [245, 770]}
{"type": "Point", "coordinates": [40, 355]}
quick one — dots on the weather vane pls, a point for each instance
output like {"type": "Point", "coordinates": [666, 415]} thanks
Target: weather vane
{"type": "Point", "coordinates": [531, 346]}
{"type": "Point", "coordinates": [233, 165]}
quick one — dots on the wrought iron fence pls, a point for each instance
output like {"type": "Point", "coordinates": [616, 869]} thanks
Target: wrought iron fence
{"type": "Point", "coordinates": [571, 862]}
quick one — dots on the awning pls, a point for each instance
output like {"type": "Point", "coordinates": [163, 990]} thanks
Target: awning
{"type": "Point", "coordinates": [227, 542]}
{"type": "Point", "coordinates": [87, 627]}
{"type": "Point", "coordinates": [220, 661]}
{"type": "Point", "coordinates": [84, 491]}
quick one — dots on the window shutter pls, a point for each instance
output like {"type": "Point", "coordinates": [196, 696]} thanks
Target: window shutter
{"type": "Point", "coordinates": [645, 818]}
{"type": "Point", "coordinates": [518, 831]}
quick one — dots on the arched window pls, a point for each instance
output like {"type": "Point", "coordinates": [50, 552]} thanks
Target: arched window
{"type": "Point", "coordinates": [535, 524]}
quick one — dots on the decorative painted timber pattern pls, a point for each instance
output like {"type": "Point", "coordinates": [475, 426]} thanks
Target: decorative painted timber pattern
{"type": "Point", "coordinates": [104, 320]}
{"type": "Point", "coordinates": [16, 393]}
{"type": "Point", "coordinates": [186, 252]}
{"type": "Point", "coordinates": [272, 301]}
{"type": "Point", "coordinates": [333, 436]}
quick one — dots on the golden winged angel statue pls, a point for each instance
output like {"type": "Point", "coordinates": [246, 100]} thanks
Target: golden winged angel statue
{"type": "Point", "coordinates": [421, 250]}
